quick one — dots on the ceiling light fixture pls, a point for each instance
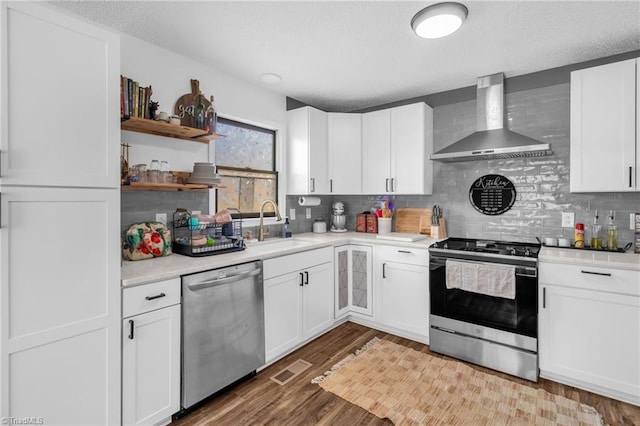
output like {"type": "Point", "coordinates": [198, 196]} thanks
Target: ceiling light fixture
{"type": "Point", "coordinates": [439, 20]}
{"type": "Point", "coordinates": [270, 78]}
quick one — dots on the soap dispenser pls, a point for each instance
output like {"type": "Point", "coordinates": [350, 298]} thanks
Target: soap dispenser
{"type": "Point", "coordinates": [285, 229]}
{"type": "Point", "coordinates": [612, 233]}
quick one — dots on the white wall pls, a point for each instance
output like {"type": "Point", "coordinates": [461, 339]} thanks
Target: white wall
{"type": "Point", "coordinates": [170, 76]}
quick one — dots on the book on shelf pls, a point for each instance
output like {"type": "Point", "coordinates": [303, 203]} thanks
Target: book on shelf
{"type": "Point", "coordinates": [134, 99]}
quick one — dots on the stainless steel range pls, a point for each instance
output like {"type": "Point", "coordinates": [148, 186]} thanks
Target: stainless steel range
{"type": "Point", "coordinates": [484, 299]}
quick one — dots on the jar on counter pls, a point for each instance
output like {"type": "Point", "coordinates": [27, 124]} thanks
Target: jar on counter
{"type": "Point", "coordinates": [579, 235]}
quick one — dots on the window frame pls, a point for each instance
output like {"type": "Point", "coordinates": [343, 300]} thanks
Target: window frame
{"type": "Point", "coordinates": [252, 219]}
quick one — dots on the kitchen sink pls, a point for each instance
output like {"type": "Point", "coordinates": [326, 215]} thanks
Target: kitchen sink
{"type": "Point", "coordinates": [276, 244]}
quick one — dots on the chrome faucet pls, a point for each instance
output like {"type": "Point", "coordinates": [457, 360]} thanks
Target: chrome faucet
{"type": "Point", "coordinates": [261, 227]}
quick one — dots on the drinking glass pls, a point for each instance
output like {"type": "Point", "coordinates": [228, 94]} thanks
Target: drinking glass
{"type": "Point", "coordinates": [154, 171]}
{"type": "Point", "coordinates": [165, 173]}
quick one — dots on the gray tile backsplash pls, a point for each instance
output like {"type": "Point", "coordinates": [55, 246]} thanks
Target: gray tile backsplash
{"type": "Point", "coordinates": [542, 184]}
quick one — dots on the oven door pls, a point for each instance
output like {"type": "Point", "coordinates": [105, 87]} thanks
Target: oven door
{"type": "Point", "coordinates": [517, 315]}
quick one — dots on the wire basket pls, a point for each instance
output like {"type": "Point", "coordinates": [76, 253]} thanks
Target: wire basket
{"type": "Point", "coordinates": [204, 239]}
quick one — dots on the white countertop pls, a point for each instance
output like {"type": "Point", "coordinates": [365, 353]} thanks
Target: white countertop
{"type": "Point", "coordinates": [573, 256]}
{"type": "Point", "coordinates": [162, 268]}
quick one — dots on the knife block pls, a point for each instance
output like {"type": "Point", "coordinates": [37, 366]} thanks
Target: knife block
{"type": "Point", "coordinates": [439, 231]}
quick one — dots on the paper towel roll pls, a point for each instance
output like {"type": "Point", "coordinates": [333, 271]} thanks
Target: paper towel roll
{"type": "Point", "coordinates": [309, 201]}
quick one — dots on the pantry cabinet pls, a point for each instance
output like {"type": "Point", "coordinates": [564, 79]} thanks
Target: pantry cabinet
{"type": "Point", "coordinates": [307, 152]}
{"type": "Point", "coordinates": [353, 280]}
{"type": "Point", "coordinates": [399, 141]}
{"type": "Point", "coordinates": [402, 290]}
{"type": "Point", "coordinates": [589, 328]}
{"type": "Point", "coordinates": [345, 153]}
{"type": "Point", "coordinates": [604, 115]}
{"type": "Point", "coordinates": [60, 355]}
{"type": "Point", "coordinates": [151, 353]}
{"type": "Point", "coordinates": [298, 299]}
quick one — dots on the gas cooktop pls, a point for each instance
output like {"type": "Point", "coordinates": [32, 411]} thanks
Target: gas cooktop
{"type": "Point", "coordinates": [504, 248]}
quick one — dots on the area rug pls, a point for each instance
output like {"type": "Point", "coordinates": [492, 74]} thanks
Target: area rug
{"type": "Point", "coordinates": [415, 388]}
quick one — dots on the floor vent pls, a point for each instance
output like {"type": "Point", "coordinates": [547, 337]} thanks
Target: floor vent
{"type": "Point", "coordinates": [290, 372]}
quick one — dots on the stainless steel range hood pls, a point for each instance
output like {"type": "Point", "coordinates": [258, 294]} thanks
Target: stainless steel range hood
{"type": "Point", "coordinates": [491, 140]}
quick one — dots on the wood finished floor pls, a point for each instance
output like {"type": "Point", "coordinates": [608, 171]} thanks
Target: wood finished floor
{"type": "Point", "coordinates": [260, 401]}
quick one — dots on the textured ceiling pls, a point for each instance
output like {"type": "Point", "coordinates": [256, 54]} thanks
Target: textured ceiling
{"type": "Point", "coordinates": [349, 55]}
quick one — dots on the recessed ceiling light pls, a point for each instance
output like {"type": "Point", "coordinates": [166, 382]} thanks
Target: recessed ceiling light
{"type": "Point", "coordinates": [270, 78]}
{"type": "Point", "coordinates": [439, 20]}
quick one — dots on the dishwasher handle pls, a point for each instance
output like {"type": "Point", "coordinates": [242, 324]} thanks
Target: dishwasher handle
{"type": "Point", "coordinates": [219, 281]}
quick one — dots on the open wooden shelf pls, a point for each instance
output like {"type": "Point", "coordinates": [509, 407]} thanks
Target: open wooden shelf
{"type": "Point", "coordinates": [148, 186]}
{"type": "Point", "coordinates": [161, 128]}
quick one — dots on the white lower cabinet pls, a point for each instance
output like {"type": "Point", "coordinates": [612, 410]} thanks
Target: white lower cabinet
{"type": "Point", "coordinates": [353, 280]}
{"type": "Point", "coordinates": [402, 290]}
{"type": "Point", "coordinates": [589, 328]}
{"type": "Point", "coordinates": [298, 299]}
{"type": "Point", "coordinates": [151, 353]}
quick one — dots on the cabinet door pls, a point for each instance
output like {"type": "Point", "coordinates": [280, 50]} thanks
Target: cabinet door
{"type": "Point", "coordinates": [151, 366]}
{"type": "Point", "coordinates": [342, 279]}
{"type": "Point", "coordinates": [353, 280]}
{"type": "Point", "coordinates": [360, 292]}
{"type": "Point", "coordinates": [60, 304]}
{"type": "Point", "coordinates": [61, 86]}
{"type": "Point", "coordinates": [317, 303]}
{"type": "Point", "coordinates": [603, 123]}
{"type": "Point", "coordinates": [591, 338]}
{"type": "Point", "coordinates": [404, 297]}
{"type": "Point", "coordinates": [411, 143]}
{"type": "Point", "coordinates": [345, 153]}
{"type": "Point", "coordinates": [376, 161]}
{"type": "Point", "coordinates": [282, 313]}
{"type": "Point", "coordinates": [307, 152]}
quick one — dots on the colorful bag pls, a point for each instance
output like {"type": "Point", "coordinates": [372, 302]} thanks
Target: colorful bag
{"type": "Point", "coordinates": [146, 240]}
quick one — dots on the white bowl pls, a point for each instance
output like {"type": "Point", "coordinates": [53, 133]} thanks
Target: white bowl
{"type": "Point", "coordinates": [564, 242]}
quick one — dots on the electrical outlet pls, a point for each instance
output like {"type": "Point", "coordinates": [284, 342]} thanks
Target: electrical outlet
{"type": "Point", "coordinates": [308, 213]}
{"type": "Point", "coordinates": [161, 217]}
{"type": "Point", "coordinates": [292, 214]}
{"type": "Point", "coordinates": [632, 221]}
{"type": "Point", "coordinates": [568, 219]}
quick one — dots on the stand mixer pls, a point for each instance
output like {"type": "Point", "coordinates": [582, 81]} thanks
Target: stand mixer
{"type": "Point", "coordinates": [338, 218]}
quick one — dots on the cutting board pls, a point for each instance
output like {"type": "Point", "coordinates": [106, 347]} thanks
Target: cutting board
{"type": "Point", "coordinates": [413, 221]}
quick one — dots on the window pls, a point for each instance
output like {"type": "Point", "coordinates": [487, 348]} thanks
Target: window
{"type": "Point", "coordinates": [246, 163]}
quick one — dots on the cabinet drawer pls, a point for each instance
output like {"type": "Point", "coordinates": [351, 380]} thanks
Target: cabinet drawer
{"type": "Point", "coordinates": [295, 262]}
{"type": "Point", "coordinates": [145, 298]}
{"type": "Point", "coordinates": [589, 277]}
{"type": "Point", "coordinates": [409, 255]}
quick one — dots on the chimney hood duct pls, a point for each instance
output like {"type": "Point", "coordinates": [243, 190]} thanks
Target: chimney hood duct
{"type": "Point", "coordinates": [491, 140]}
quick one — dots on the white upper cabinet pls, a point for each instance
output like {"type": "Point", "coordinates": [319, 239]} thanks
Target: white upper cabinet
{"type": "Point", "coordinates": [398, 142]}
{"type": "Point", "coordinates": [345, 153]}
{"type": "Point", "coordinates": [307, 152]}
{"type": "Point", "coordinates": [376, 157]}
{"type": "Point", "coordinates": [61, 104]}
{"type": "Point", "coordinates": [604, 155]}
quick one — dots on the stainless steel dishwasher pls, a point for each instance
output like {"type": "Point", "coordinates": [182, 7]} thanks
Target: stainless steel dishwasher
{"type": "Point", "coordinates": [222, 329]}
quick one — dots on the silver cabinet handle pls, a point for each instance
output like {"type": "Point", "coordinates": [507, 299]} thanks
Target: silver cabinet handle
{"type": "Point", "coordinates": [604, 274]}
{"type": "Point", "coordinates": [386, 185]}
{"type": "Point", "coordinates": [384, 273]}
{"type": "Point", "coordinates": [330, 185]}
{"type": "Point", "coordinates": [313, 185]}
{"type": "Point", "coordinates": [393, 185]}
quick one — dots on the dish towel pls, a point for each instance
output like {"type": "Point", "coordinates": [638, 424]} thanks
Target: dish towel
{"type": "Point", "coordinates": [483, 278]}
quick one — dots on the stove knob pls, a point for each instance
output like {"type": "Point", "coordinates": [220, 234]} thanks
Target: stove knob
{"type": "Point", "coordinates": [445, 246]}
{"type": "Point", "coordinates": [514, 252]}
{"type": "Point", "coordinates": [527, 252]}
